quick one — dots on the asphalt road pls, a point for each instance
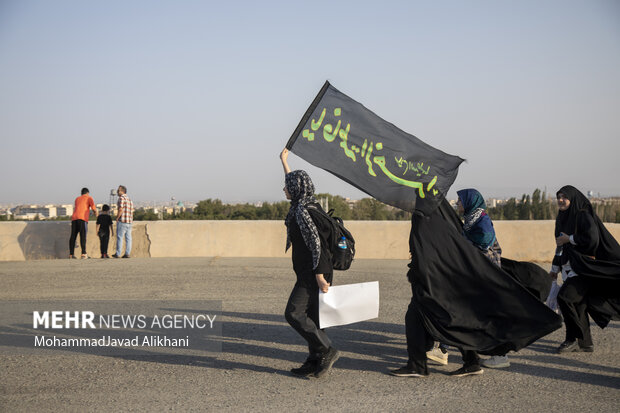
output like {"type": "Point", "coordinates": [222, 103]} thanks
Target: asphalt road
{"type": "Point", "coordinates": [258, 348]}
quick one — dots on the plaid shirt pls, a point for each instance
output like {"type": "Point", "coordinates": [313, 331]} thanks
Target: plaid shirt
{"type": "Point", "coordinates": [125, 203]}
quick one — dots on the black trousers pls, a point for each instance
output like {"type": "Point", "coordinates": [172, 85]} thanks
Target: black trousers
{"type": "Point", "coordinates": [419, 341]}
{"type": "Point", "coordinates": [470, 358]}
{"type": "Point", "coordinates": [103, 243]}
{"type": "Point", "coordinates": [78, 226]}
{"type": "Point", "coordinates": [302, 313]}
{"type": "Point", "coordinates": [572, 303]}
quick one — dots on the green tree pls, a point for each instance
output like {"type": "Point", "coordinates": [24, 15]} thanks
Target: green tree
{"type": "Point", "coordinates": [546, 206]}
{"type": "Point", "coordinates": [536, 208]}
{"type": "Point", "coordinates": [369, 209]}
{"type": "Point", "coordinates": [145, 215]}
{"type": "Point", "coordinates": [212, 209]}
{"type": "Point", "coordinates": [338, 204]}
{"type": "Point", "coordinates": [510, 209]}
{"type": "Point", "coordinates": [245, 211]}
{"type": "Point", "coordinates": [524, 207]}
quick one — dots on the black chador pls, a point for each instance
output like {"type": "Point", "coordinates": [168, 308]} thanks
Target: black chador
{"type": "Point", "coordinates": [590, 263]}
{"type": "Point", "coordinates": [462, 299]}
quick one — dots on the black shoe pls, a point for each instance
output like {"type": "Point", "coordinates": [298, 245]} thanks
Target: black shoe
{"type": "Point", "coordinates": [467, 371]}
{"type": "Point", "coordinates": [126, 256]}
{"type": "Point", "coordinates": [115, 256]}
{"type": "Point", "coordinates": [587, 349]}
{"type": "Point", "coordinates": [568, 346]}
{"type": "Point", "coordinates": [308, 368]}
{"type": "Point", "coordinates": [406, 371]}
{"type": "Point", "coordinates": [326, 362]}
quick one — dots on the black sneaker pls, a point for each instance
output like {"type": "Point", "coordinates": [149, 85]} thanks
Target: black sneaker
{"type": "Point", "coordinates": [126, 256]}
{"type": "Point", "coordinates": [568, 346]}
{"type": "Point", "coordinates": [308, 368]}
{"type": "Point", "coordinates": [115, 256]}
{"type": "Point", "coordinates": [467, 371]}
{"type": "Point", "coordinates": [326, 362]}
{"type": "Point", "coordinates": [406, 371]}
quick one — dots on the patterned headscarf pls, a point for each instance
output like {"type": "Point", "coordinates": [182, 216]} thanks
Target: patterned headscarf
{"type": "Point", "coordinates": [300, 187]}
{"type": "Point", "coordinates": [473, 204]}
{"type": "Point", "coordinates": [478, 227]}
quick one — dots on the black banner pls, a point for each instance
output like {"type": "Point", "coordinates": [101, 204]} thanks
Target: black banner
{"type": "Point", "coordinates": [343, 137]}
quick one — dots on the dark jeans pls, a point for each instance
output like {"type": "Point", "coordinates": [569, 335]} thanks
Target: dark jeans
{"type": "Point", "coordinates": [302, 313]}
{"type": "Point", "coordinates": [78, 226]}
{"type": "Point", "coordinates": [572, 303]}
{"type": "Point", "coordinates": [103, 243]}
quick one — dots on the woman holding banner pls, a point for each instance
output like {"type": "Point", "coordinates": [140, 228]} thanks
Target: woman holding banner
{"type": "Point", "coordinates": [308, 234]}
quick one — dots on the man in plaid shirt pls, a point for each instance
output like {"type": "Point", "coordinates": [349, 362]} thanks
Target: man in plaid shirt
{"type": "Point", "coordinates": [124, 218]}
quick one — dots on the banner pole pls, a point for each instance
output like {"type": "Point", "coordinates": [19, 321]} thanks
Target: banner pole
{"type": "Point", "coordinates": [307, 115]}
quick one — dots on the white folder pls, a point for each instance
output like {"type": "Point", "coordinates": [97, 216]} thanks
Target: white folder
{"type": "Point", "coordinates": [346, 304]}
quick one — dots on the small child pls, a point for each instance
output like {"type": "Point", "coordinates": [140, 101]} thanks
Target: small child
{"type": "Point", "coordinates": [104, 228]}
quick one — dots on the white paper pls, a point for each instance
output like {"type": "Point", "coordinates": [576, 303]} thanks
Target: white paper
{"type": "Point", "coordinates": [346, 304]}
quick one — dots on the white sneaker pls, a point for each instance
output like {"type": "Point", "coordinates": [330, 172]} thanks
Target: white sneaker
{"type": "Point", "coordinates": [496, 362]}
{"type": "Point", "coordinates": [437, 356]}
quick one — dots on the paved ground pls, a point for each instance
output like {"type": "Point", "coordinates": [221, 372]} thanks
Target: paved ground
{"type": "Point", "coordinates": [251, 373]}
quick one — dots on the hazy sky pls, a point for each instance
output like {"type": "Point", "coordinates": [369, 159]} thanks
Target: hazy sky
{"type": "Point", "coordinates": [195, 99]}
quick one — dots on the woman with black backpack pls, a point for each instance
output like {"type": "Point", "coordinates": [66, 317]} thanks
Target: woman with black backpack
{"type": "Point", "coordinates": [309, 234]}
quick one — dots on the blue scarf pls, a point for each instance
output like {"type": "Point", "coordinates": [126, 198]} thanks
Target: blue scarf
{"type": "Point", "coordinates": [478, 227]}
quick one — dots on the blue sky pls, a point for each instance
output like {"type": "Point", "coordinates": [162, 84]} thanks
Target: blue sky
{"type": "Point", "coordinates": [195, 99]}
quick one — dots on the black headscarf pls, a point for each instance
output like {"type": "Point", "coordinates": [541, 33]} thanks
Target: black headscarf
{"type": "Point", "coordinates": [300, 187]}
{"type": "Point", "coordinates": [567, 220]}
{"type": "Point", "coordinates": [575, 218]}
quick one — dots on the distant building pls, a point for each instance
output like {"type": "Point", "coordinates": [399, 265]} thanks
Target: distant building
{"type": "Point", "coordinates": [351, 202]}
{"type": "Point", "coordinates": [30, 212]}
{"type": "Point", "coordinates": [65, 210]}
{"type": "Point", "coordinates": [494, 202]}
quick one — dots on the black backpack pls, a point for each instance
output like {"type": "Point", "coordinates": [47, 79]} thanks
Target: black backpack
{"type": "Point", "coordinates": [341, 257]}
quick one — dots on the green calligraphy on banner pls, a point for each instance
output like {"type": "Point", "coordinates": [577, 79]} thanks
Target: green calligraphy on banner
{"type": "Point", "coordinates": [341, 136]}
{"type": "Point", "coordinates": [366, 151]}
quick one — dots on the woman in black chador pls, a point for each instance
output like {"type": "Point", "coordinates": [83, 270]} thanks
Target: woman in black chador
{"type": "Point", "coordinates": [588, 257]}
{"type": "Point", "coordinates": [308, 233]}
{"type": "Point", "coordinates": [461, 298]}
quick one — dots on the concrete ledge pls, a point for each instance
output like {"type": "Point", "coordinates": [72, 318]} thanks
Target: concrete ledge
{"type": "Point", "coordinates": [19, 241]}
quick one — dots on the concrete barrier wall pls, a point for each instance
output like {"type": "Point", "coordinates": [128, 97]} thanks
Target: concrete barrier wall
{"type": "Point", "coordinates": [521, 240]}
{"type": "Point", "coordinates": [37, 240]}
